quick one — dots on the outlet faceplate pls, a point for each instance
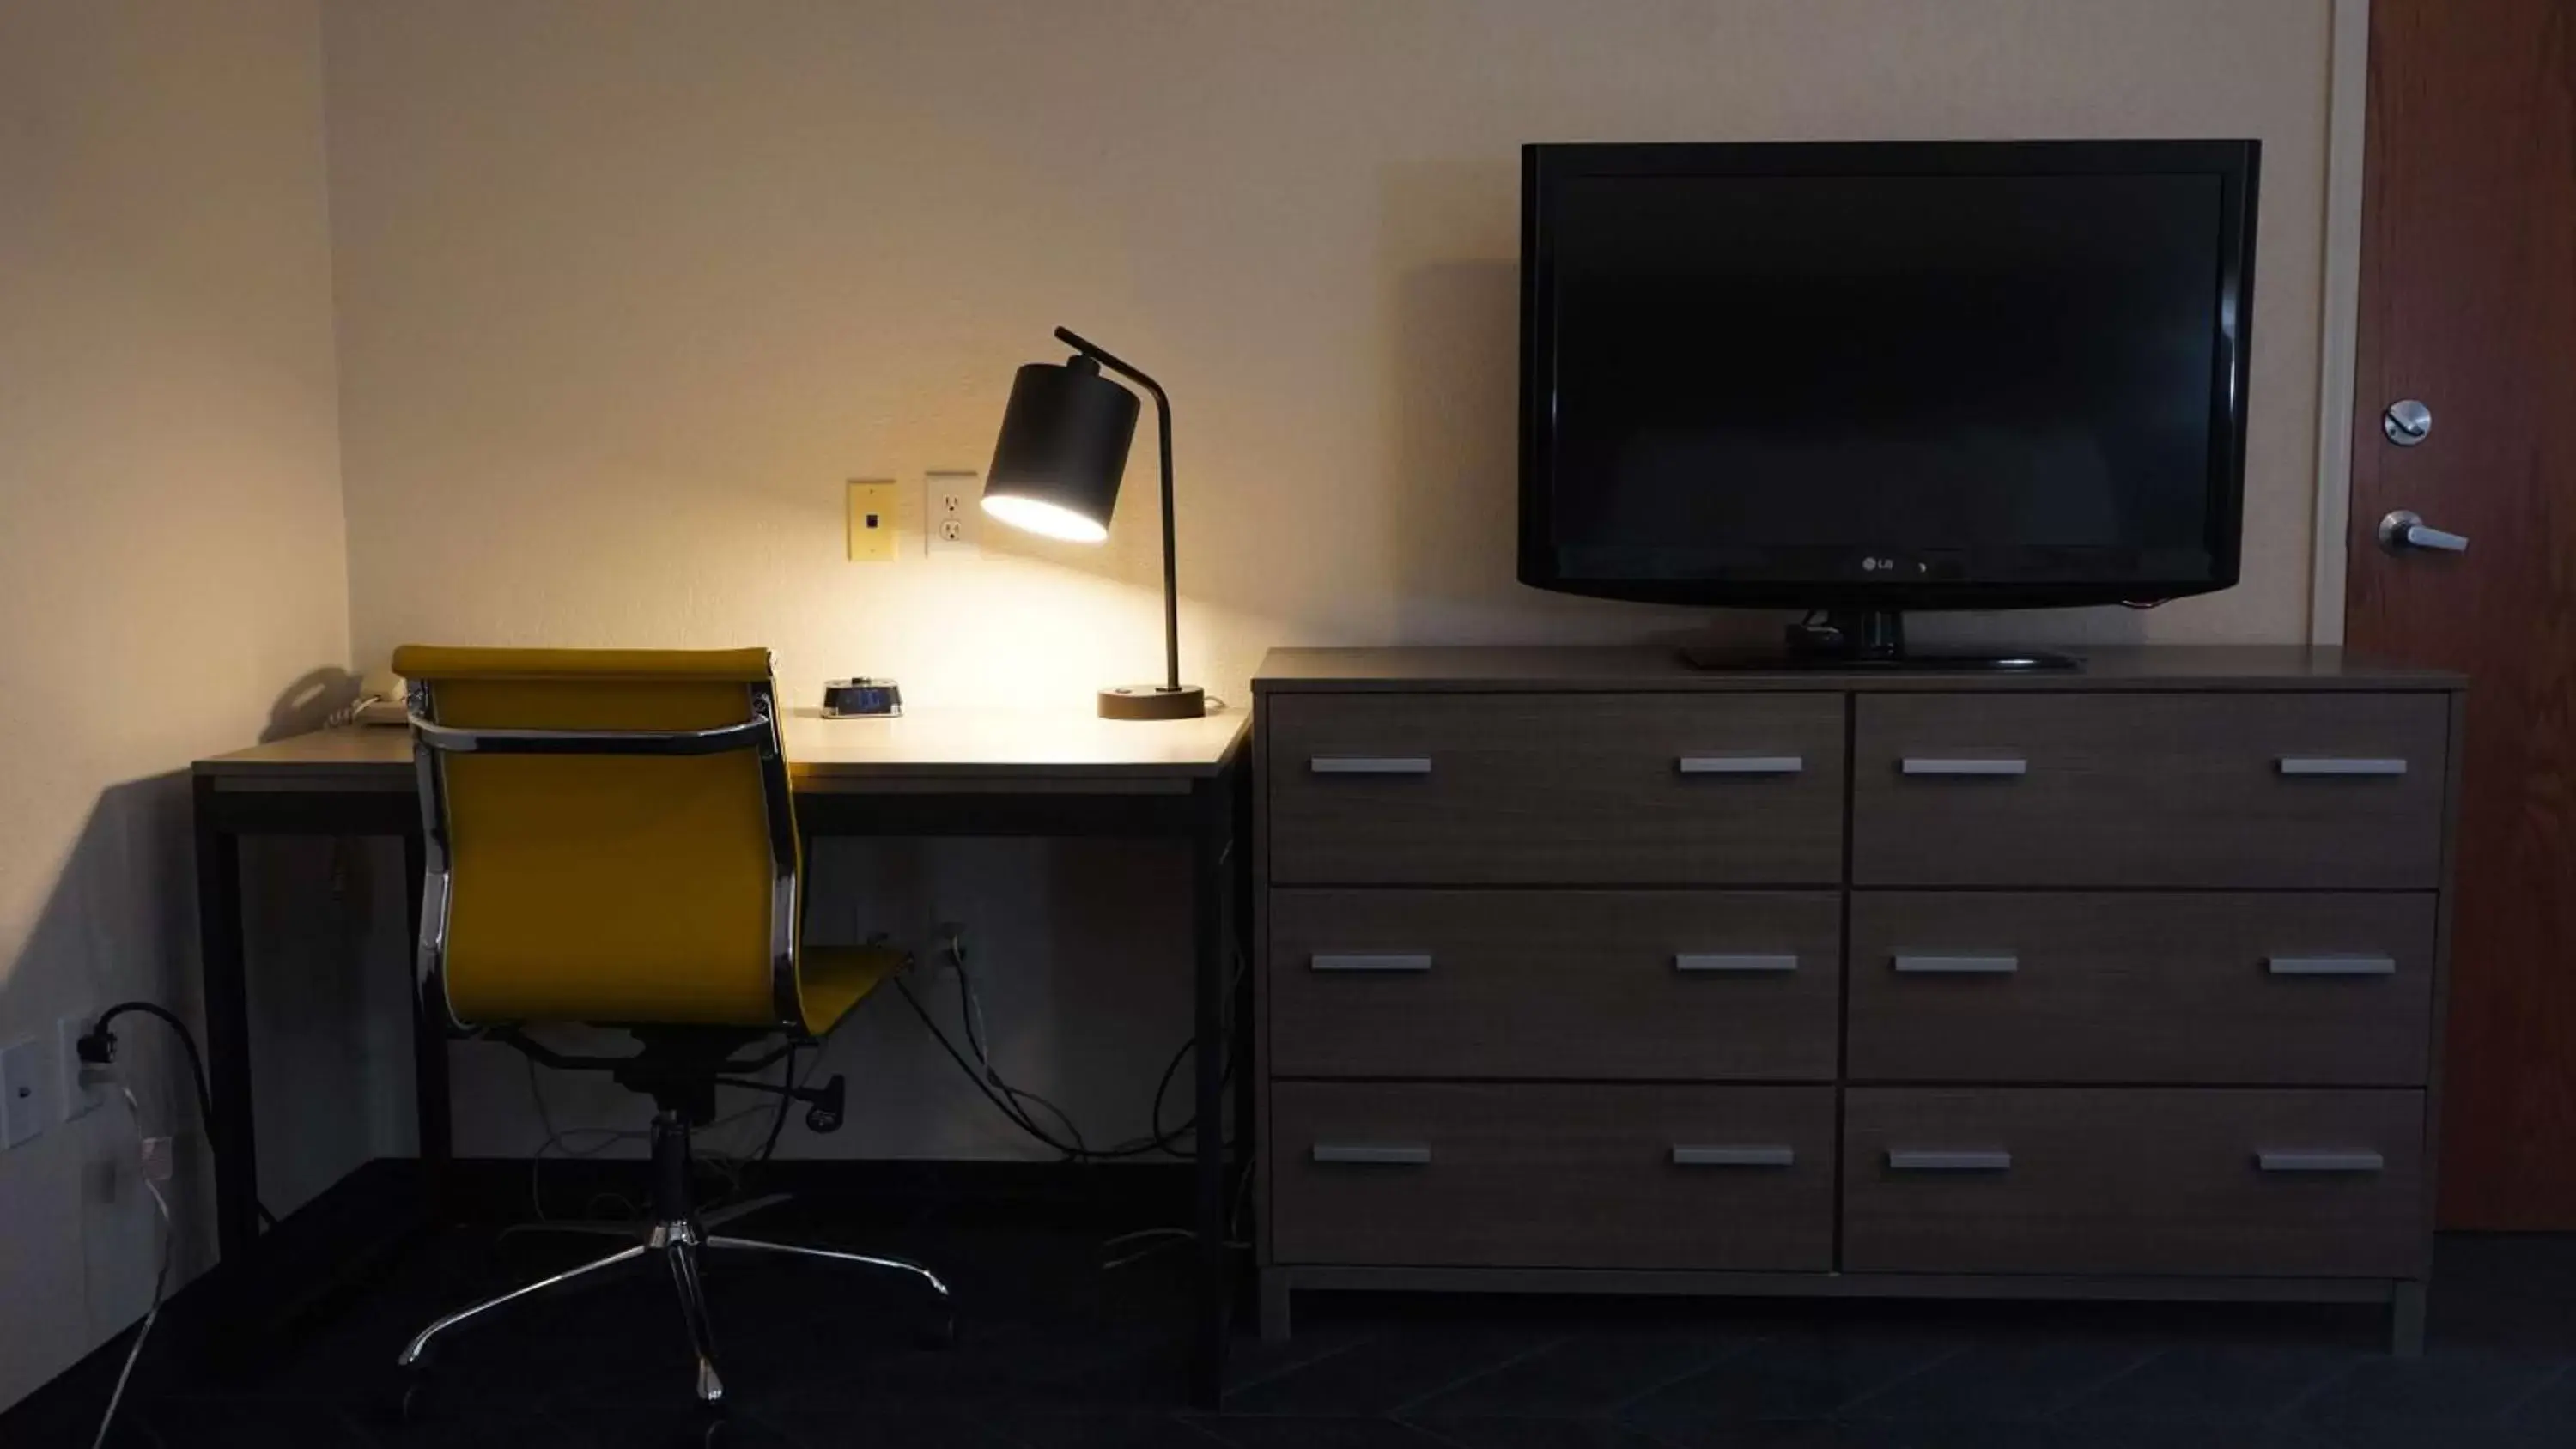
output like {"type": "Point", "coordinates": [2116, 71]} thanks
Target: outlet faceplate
{"type": "Point", "coordinates": [950, 513]}
{"type": "Point", "coordinates": [872, 515]}
{"type": "Point", "coordinates": [22, 1091]}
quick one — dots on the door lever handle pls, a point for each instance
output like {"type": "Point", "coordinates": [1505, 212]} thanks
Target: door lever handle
{"type": "Point", "coordinates": [2405, 529]}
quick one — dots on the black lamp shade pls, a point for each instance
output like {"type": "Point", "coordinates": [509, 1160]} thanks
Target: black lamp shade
{"type": "Point", "coordinates": [1063, 450]}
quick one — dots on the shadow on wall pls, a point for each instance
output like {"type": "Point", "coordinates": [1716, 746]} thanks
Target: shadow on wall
{"type": "Point", "coordinates": [308, 703]}
{"type": "Point", "coordinates": [120, 925]}
{"type": "Point", "coordinates": [116, 927]}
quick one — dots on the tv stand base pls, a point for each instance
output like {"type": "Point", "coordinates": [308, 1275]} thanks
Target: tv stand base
{"type": "Point", "coordinates": [1865, 639]}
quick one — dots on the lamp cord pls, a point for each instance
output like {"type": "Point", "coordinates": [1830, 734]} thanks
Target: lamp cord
{"type": "Point", "coordinates": [1002, 1103]}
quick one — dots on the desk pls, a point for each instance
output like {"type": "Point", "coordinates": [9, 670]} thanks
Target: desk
{"type": "Point", "coordinates": [932, 772]}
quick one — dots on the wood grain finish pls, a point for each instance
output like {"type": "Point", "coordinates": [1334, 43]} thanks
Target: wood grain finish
{"type": "Point", "coordinates": [938, 744]}
{"type": "Point", "coordinates": [2468, 303]}
{"type": "Point", "coordinates": [2149, 790]}
{"type": "Point", "coordinates": [1576, 669]}
{"type": "Point", "coordinates": [2146, 959]}
{"type": "Point", "coordinates": [1556, 984]}
{"type": "Point", "coordinates": [2141, 1180]}
{"type": "Point", "coordinates": [1539, 789]}
{"type": "Point", "coordinates": [2169, 987]}
{"type": "Point", "coordinates": [1551, 1176]}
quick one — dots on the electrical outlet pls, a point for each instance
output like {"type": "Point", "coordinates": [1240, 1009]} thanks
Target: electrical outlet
{"type": "Point", "coordinates": [872, 507]}
{"type": "Point", "coordinates": [949, 513]}
{"type": "Point", "coordinates": [84, 1088]}
{"type": "Point", "coordinates": [22, 1091]}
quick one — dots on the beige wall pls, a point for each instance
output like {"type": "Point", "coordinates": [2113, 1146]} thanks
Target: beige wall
{"type": "Point", "coordinates": [171, 553]}
{"type": "Point", "coordinates": [628, 289]}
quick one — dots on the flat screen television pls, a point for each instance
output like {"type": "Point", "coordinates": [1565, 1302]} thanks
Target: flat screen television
{"type": "Point", "coordinates": [1861, 378]}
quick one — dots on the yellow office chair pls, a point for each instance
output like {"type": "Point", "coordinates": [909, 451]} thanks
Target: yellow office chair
{"type": "Point", "coordinates": [611, 840]}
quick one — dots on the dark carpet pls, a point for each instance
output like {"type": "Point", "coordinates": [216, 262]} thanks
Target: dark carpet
{"type": "Point", "coordinates": [1056, 1353]}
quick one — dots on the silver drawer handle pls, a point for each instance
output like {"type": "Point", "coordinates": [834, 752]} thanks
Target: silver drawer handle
{"type": "Point", "coordinates": [1936, 765]}
{"type": "Point", "coordinates": [1373, 1154]}
{"type": "Point", "coordinates": [1913, 965]}
{"type": "Point", "coordinates": [1723, 962]}
{"type": "Point", "coordinates": [1920, 1160]}
{"type": "Point", "coordinates": [2340, 765]}
{"type": "Point", "coordinates": [1748, 1156]}
{"type": "Point", "coordinates": [2320, 1161]}
{"type": "Point", "coordinates": [1741, 764]}
{"type": "Point", "coordinates": [1381, 962]}
{"type": "Point", "coordinates": [1370, 764]}
{"type": "Point", "coordinates": [2330, 965]}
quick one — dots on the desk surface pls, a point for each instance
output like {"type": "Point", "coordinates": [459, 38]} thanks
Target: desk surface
{"type": "Point", "coordinates": [923, 744]}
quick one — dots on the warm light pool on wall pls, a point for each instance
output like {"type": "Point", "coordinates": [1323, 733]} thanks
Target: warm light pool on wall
{"type": "Point", "coordinates": [1056, 470]}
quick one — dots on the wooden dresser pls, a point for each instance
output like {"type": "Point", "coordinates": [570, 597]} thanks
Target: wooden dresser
{"type": "Point", "coordinates": [1580, 970]}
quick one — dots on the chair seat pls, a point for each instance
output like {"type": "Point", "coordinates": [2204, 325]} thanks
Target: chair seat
{"type": "Point", "coordinates": [832, 979]}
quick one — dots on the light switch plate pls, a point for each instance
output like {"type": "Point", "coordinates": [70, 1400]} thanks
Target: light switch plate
{"type": "Point", "coordinates": [22, 1091]}
{"type": "Point", "coordinates": [872, 519]}
{"type": "Point", "coordinates": [949, 512]}
{"type": "Point", "coordinates": [79, 1093]}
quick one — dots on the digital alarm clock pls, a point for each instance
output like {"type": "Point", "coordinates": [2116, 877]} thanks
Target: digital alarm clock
{"type": "Point", "coordinates": [858, 698]}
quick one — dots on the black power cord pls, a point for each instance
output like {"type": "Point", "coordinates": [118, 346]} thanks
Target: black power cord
{"type": "Point", "coordinates": [787, 1084]}
{"type": "Point", "coordinates": [971, 1012]}
{"type": "Point", "coordinates": [97, 1047]}
{"type": "Point", "coordinates": [1002, 1099]}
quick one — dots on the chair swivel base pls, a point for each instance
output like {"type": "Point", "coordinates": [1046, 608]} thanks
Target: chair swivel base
{"type": "Point", "coordinates": [677, 1237]}
{"type": "Point", "coordinates": [678, 1243]}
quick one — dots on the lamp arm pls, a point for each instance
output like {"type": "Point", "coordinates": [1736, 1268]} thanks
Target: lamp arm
{"type": "Point", "coordinates": [1171, 573]}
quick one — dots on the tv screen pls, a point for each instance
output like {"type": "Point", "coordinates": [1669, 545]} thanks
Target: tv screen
{"type": "Point", "coordinates": [1885, 375]}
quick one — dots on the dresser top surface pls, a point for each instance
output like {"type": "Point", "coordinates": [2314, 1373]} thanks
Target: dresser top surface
{"type": "Point", "coordinates": [1660, 668]}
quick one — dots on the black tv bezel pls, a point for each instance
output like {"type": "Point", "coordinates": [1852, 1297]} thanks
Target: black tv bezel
{"type": "Point", "coordinates": [2236, 163]}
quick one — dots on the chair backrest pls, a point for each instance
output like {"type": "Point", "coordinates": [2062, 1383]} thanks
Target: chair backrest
{"type": "Point", "coordinates": [611, 837]}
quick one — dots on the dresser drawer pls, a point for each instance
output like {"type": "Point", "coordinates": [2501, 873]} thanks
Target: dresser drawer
{"type": "Point", "coordinates": [1670, 985]}
{"type": "Point", "coordinates": [2142, 1180]}
{"type": "Point", "coordinates": [2325, 989]}
{"type": "Point", "coordinates": [1594, 789]}
{"type": "Point", "coordinates": [2262, 790]}
{"type": "Point", "coordinates": [1552, 1176]}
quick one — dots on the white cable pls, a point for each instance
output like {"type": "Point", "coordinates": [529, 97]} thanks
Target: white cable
{"type": "Point", "coordinates": [347, 714]}
{"type": "Point", "coordinates": [160, 1278]}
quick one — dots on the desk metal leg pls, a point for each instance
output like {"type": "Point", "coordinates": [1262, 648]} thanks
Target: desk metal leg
{"type": "Point", "coordinates": [1211, 879]}
{"type": "Point", "coordinates": [227, 1007]}
{"type": "Point", "coordinates": [428, 1044]}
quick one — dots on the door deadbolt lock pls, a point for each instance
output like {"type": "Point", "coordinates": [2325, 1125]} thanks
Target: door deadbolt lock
{"type": "Point", "coordinates": [2407, 422]}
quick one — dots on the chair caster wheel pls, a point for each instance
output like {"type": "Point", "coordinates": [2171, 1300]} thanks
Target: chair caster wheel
{"type": "Point", "coordinates": [940, 1333]}
{"type": "Point", "coordinates": [411, 1397]}
{"type": "Point", "coordinates": [713, 1420]}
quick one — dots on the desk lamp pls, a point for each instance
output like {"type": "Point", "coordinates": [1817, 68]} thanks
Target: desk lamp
{"type": "Point", "coordinates": [1056, 470]}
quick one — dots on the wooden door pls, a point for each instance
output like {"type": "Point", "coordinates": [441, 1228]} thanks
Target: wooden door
{"type": "Point", "coordinates": [2468, 305]}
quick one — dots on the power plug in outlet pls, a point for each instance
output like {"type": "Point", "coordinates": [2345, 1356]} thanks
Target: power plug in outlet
{"type": "Point", "coordinates": [949, 513]}
{"type": "Point", "coordinates": [84, 1087]}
